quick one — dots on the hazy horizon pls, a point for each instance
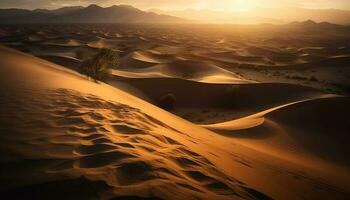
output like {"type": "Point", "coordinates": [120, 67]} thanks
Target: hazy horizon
{"type": "Point", "coordinates": [218, 12]}
{"type": "Point", "coordinates": [167, 5]}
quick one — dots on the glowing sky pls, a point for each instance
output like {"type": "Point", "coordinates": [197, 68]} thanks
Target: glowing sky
{"type": "Point", "coordinates": [220, 5]}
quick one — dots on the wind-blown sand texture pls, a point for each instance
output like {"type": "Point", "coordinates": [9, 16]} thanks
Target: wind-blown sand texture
{"type": "Point", "coordinates": [60, 131]}
{"type": "Point", "coordinates": [63, 136]}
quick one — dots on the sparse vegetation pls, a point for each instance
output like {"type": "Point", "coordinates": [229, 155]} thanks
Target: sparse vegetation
{"type": "Point", "coordinates": [99, 67]}
{"type": "Point", "coordinates": [79, 55]}
{"type": "Point", "coordinates": [313, 79]}
{"type": "Point", "coordinates": [342, 88]}
{"type": "Point", "coordinates": [167, 101]}
{"type": "Point", "coordinates": [231, 93]}
{"type": "Point", "coordinates": [297, 77]}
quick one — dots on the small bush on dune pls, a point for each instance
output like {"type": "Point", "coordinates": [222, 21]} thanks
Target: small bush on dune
{"type": "Point", "coordinates": [99, 67]}
{"type": "Point", "coordinates": [79, 55]}
{"type": "Point", "coordinates": [167, 101]}
{"type": "Point", "coordinates": [230, 96]}
{"type": "Point", "coordinates": [313, 78]}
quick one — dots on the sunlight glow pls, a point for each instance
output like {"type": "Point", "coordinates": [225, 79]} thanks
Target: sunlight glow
{"type": "Point", "coordinates": [242, 5]}
{"type": "Point", "coordinates": [226, 5]}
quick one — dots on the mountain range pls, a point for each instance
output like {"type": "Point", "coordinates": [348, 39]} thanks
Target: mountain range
{"type": "Point", "coordinates": [90, 14]}
{"type": "Point", "coordinates": [129, 14]}
{"type": "Point", "coordinates": [262, 15]}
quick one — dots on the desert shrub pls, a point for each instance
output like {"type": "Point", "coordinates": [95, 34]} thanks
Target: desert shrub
{"type": "Point", "coordinates": [230, 96]}
{"type": "Point", "coordinates": [79, 55]}
{"type": "Point", "coordinates": [313, 78]}
{"type": "Point", "coordinates": [342, 89]}
{"type": "Point", "coordinates": [297, 77]}
{"type": "Point", "coordinates": [276, 73]}
{"type": "Point", "coordinates": [99, 67]}
{"type": "Point", "coordinates": [167, 102]}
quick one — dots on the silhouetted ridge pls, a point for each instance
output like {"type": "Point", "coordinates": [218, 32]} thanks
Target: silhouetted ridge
{"type": "Point", "coordinates": [91, 14]}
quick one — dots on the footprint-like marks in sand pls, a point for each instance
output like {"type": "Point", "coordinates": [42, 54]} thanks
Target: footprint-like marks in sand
{"type": "Point", "coordinates": [122, 147]}
{"type": "Point", "coordinates": [134, 172]}
{"type": "Point", "coordinates": [95, 148]}
{"type": "Point", "coordinates": [102, 159]}
{"type": "Point", "coordinates": [127, 129]}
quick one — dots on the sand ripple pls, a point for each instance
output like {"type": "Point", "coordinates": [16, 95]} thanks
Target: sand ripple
{"type": "Point", "coordinates": [114, 144]}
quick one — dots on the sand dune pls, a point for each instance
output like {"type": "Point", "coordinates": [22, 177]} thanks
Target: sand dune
{"type": "Point", "coordinates": [230, 57]}
{"type": "Point", "coordinates": [320, 118]}
{"type": "Point", "coordinates": [307, 138]}
{"type": "Point", "coordinates": [152, 56]}
{"type": "Point", "coordinates": [70, 128]}
{"type": "Point", "coordinates": [261, 53]}
{"type": "Point", "coordinates": [129, 62]}
{"type": "Point", "coordinates": [209, 102]}
{"type": "Point", "coordinates": [67, 61]}
{"type": "Point", "coordinates": [101, 42]}
{"type": "Point", "coordinates": [189, 69]}
{"type": "Point", "coordinates": [254, 129]}
{"type": "Point", "coordinates": [70, 131]}
{"type": "Point", "coordinates": [66, 42]}
{"type": "Point", "coordinates": [154, 64]}
{"type": "Point", "coordinates": [339, 61]}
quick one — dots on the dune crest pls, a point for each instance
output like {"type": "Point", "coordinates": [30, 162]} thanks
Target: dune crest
{"type": "Point", "coordinates": [292, 129]}
{"type": "Point", "coordinates": [66, 133]}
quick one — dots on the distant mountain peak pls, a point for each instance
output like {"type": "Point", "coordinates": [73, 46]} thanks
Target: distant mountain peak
{"type": "Point", "coordinates": [309, 22]}
{"type": "Point", "coordinates": [313, 24]}
{"type": "Point", "coordinates": [304, 23]}
{"type": "Point", "coordinates": [90, 14]}
{"type": "Point", "coordinates": [40, 10]}
{"type": "Point", "coordinates": [126, 6]}
{"type": "Point", "coordinates": [94, 6]}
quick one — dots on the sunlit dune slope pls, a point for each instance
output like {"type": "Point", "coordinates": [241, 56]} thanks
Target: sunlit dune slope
{"type": "Point", "coordinates": [63, 136]}
{"type": "Point", "coordinates": [151, 64]}
{"type": "Point", "coordinates": [60, 130]}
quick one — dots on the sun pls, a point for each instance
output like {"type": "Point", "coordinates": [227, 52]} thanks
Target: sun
{"type": "Point", "coordinates": [226, 5]}
{"type": "Point", "coordinates": [242, 5]}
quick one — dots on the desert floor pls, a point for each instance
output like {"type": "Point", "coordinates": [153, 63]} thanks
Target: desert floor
{"type": "Point", "coordinates": [260, 112]}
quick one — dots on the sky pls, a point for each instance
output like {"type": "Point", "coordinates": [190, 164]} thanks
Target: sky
{"type": "Point", "coordinates": [218, 5]}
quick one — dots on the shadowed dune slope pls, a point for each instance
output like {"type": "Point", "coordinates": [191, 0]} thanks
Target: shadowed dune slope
{"type": "Point", "coordinates": [308, 129]}
{"type": "Point", "coordinates": [195, 94]}
{"type": "Point", "coordinates": [321, 125]}
{"type": "Point", "coordinates": [218, 102]}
